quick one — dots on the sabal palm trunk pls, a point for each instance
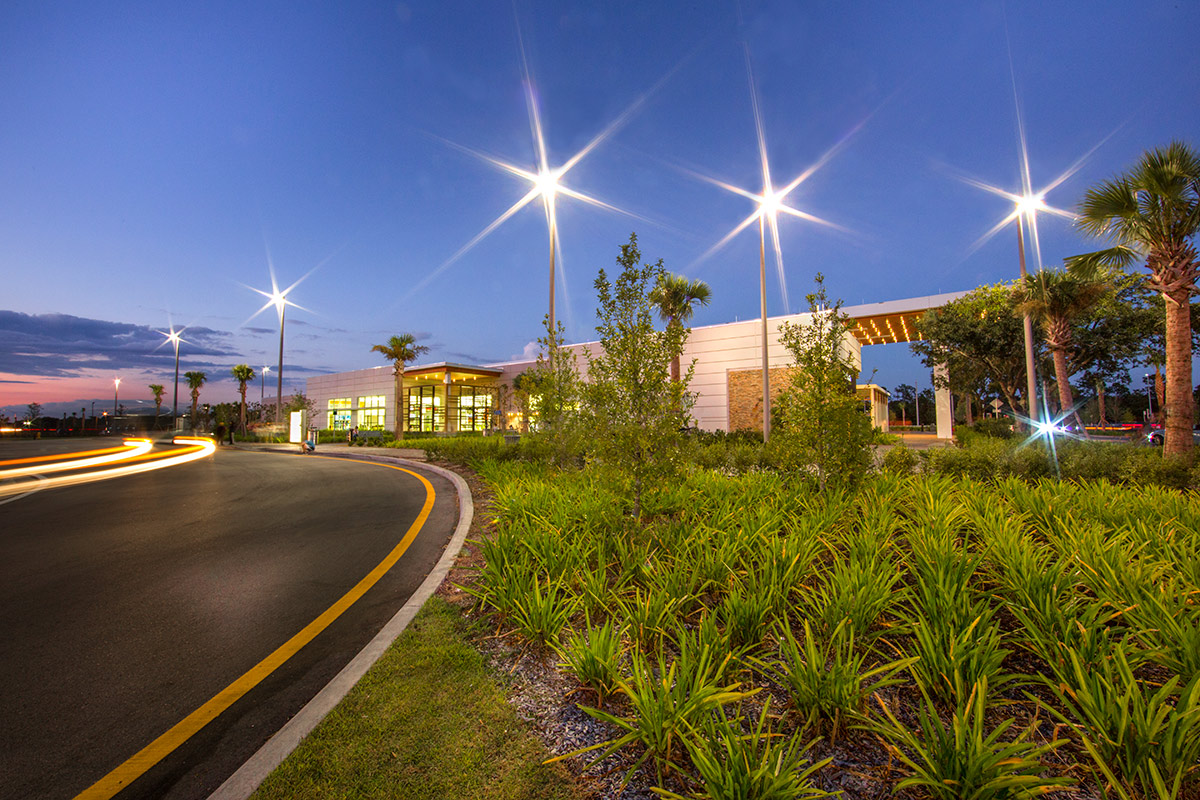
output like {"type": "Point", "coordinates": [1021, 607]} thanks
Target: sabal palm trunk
{"type": "Point", "coordinates": [1066, 400]}
{"type": "Point", "coordinates": [400, 403]}
{"type": "Point", "coordinates": [1178, 404]}
{"type": "Point", "coordinates": [243, 409]}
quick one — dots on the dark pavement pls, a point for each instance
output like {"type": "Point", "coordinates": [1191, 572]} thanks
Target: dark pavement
{"type": "Point", "coordinates": [129, 603]}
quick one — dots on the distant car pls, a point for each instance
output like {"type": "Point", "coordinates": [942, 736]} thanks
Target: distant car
{"type": "Point", "coordinates": [1156, 436]}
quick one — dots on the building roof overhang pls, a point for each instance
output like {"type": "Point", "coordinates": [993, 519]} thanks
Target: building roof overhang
{"type": "Point", "coordinates": [456, 371]}
{"type": "Point", "coordinates": [896, 320]}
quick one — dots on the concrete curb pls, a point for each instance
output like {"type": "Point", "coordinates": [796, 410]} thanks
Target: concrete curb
{"type": "Point", "coordinates": [241, 784]}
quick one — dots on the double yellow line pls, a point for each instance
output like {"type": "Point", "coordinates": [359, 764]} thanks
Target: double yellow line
{"type": "Point", "coordinates": [164, 745]}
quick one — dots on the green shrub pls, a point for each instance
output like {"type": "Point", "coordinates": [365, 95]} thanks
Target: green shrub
{"type": "Point", "coordinates": [1148, 466]}
{"type": "Point", "coordinates": [1092, 461]}
{"type": "Point", "coordinates": [900, 460]}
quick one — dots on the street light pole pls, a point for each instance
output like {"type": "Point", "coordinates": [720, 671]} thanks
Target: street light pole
{"type": "Point", "coordinates": [762, 297]}
{"type": "Point", "coordinates": [1030, 384]}
{"type": "Point", "coordinates": [262, 389]}
{"type": "Point", "coordinates": [175, 399]}
{"type": "Point", "coordinates": [553, 236]}
{"type": "Point", "coordinates": [282, 304]}
{"type": "Point", "coordinates": [116, 386]}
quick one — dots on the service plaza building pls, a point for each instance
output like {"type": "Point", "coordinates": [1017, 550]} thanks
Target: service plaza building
{"type": "Point", "coordinates": [448, 398]}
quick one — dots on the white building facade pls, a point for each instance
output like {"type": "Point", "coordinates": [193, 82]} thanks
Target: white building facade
{"type": "Point", "coordinates": [727, 381]}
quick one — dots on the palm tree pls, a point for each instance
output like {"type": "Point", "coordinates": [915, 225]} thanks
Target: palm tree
{"type": "Point", "coordinates": [674, 296]}
{"type": "Point", "coordinates": [400, 350]}
{"type": "Point", "coordinates": [157, 390]}
{"type": "Point", "coordinates": [1056, 298]}
{"type": "Point", "coordinates": [195, 380]}
{"type": "Point", "coordinates": [244, 373]}
{"type": "Point", "coordinates": [1153, 212]}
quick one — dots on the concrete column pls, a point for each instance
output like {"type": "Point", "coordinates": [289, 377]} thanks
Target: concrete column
{"type": "Point", "coordinates": [945, 410]}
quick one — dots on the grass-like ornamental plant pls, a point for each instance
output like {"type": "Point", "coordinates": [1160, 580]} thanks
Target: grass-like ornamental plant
{"type": "Point", "coordinates": [962, 759]}
{"type": "Point", "coordinates": [668, 704]}
{"type": "Point", "coordinates": [948, 575]}
{"type": "Point", "coordinates": [855, 592]}
{"type": "Point", "coordinates": [759, 765]}
{"type": "Point", "coordinates": [826, 682]}
{"type": "Point", "coordinates": [593, 656]}
{"type": "Point", "coordinates": [745, 614]}
{"type": "Point", "coordinates": [954, 661]}
{"type": "Point", "coordinates": [1145, 741]}
{"type": "Point", "coordinates": [648, 615]}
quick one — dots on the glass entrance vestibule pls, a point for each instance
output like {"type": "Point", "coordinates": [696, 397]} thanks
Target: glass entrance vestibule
{"type": "Point", "coordinates": [451, 398]}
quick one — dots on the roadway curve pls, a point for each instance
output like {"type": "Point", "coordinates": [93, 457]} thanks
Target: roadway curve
{"type": "Point", "coordinates": [130, 603]}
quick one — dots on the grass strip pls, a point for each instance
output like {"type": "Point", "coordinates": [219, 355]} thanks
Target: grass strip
{"type": "Point", "coordinates": [428, 720]}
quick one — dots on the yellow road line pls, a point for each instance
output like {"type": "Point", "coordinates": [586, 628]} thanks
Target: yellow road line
{"type": "Point", "coordinates": [164, 745]}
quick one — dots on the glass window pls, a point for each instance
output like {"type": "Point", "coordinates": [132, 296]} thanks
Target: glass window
{"type": "Point", "coordinates": [373, 401]}
{"type": "Point", "coordinates": [473, 407]}
{"type": "Point", "coordinates": [339, 413]}
{"type": "Point", "coordinates": [426, 413]}
{"type": "Point", "coordinates": [370, 419]}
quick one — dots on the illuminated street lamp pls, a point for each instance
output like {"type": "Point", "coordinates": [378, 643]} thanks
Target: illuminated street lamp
{"type": "Point", "coordinates": [770, 204]}
{"type": "Point", "coordinates": [173, 338]}
{"type": "Point", "coordinates": [116, 386]}
{"type": "Point", "coordinates": [1028, 205]}
{"type": "Point", "coordinates": [279, 299]}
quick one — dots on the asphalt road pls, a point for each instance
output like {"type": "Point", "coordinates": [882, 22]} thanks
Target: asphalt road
{"type": "Point", "coordinates": [128, 604]}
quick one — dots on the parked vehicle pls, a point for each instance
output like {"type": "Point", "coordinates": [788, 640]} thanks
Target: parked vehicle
{"type": "Point", "coordinates": [1157, 435]}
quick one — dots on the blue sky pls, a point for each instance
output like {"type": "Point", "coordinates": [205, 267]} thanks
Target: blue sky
{"type": "Point", "coordinates": [158, 159]}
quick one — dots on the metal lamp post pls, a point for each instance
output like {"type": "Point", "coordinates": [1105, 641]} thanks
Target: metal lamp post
{"type": "Point", "coordinates": [1024, 205]}
{"type": "Point", "coordinates": [280, 301]}
{"type": "Point", "coordinates": [116, 386]}
{"type": "Point", "coordinates": [762, 299]}
{"type": "Point", "coordinates": [173, 338]}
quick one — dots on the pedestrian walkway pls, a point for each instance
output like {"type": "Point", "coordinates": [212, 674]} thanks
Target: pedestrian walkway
{"type": "Point", "coordinates": [338, 449]}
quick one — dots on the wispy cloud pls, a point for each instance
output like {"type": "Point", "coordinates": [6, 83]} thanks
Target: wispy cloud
{"type": "Point", "coordinates": [65, 346]}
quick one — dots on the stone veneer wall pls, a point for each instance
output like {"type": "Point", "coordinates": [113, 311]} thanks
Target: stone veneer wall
{"type": "Point", "coordinates": [745, 395]}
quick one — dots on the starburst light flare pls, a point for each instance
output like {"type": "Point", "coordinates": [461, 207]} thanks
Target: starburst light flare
{"type": "Point", "coordinates": [173, 338]}
{"type": "Point", "coordinates": [545, 181]}
{"type": "Point", "coordinates": [279, 300]}
{"type": "Point", "coordinates": [770, 202]}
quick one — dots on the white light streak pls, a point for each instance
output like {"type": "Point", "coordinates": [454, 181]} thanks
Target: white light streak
{"type": "Point", "coordinates": [193, 448]}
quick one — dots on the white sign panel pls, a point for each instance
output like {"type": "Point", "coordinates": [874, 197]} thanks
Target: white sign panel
{"type": "Point", "coordinates": [297, 427]}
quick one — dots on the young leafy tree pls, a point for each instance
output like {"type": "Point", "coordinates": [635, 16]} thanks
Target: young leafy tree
{"type": "Point", "coordinates": [674, 296]}
{"type": "Point", "coordinates": [33, 411]}
{"type": "Point", "coordinates": [1111, 337]}
{"type": "Point", "coordinates": [244, 373]}
{"type": "Point", "coordinates": [978, 338]}
{"type": "Point", "coordinates": [633, 409]}
{"type": "Point", "coordinates": [195, 380]}
{"type": "Point", "coordinates": [400, 350]}
{"type": "Point", "coordinates": [824, 431]}
{"type": "Point", "coordinates": [1153, 212]}
{"type": "Point", "coordinates": [157, 390]}
{"type": "Point", "coordinates": [549, 392]}
{"type": "Point", "coordinates": [1056, 298]}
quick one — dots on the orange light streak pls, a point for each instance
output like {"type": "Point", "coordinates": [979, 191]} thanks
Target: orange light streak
{"type": "Point", "coordinates": [140, 460]}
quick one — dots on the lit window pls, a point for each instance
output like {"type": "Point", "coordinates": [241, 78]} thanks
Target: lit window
{"type": "Point", "coordinates": [339, 413]}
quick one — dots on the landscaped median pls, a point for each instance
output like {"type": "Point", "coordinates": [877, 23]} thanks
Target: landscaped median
{"type": "Point", "coordinates": [925, 635]}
